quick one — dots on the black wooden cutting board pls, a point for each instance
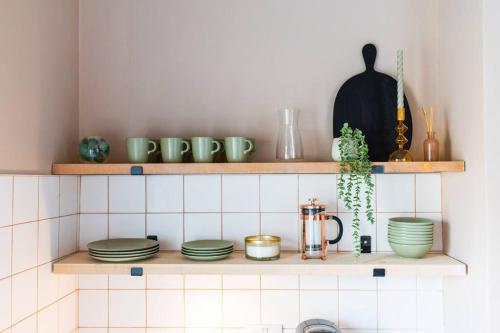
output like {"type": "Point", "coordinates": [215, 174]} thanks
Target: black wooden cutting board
{"type": "Point", "coordinates": [368, 101]}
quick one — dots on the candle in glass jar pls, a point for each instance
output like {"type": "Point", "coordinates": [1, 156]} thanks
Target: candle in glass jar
{"type": "Point", "coordinates": [262, 247]}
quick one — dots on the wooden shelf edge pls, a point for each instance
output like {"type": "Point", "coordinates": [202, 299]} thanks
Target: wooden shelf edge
{"type": "Point", "coordinates": [340, 264]}
{"type": "Point", "coordinates": [249, 168]}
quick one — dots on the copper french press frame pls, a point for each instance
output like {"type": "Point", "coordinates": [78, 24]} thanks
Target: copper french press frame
{"type": "Point", "coordinates": [316, 213]}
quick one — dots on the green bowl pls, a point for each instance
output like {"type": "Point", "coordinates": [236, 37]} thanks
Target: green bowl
{"type": "Point", "coordinates": [410, 220]}
{"type": "Point", "coordinates": [410, 242]}
{"type": "Point", "coordinates": [410, 251]}
{"type": "Point", "coordinates": [410, 228]}
{"type": "Point", "coordinates": [411, 233]}
{"type": "Point", "coordinates": [413, 238]}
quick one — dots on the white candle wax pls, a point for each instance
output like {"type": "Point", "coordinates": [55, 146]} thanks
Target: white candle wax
{"type": "Point", "coordinates": [268, 251]}
{"type": "Point", "coordinates": [400, 80]}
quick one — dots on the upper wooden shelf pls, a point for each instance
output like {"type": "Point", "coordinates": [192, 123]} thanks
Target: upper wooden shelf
{"type": "Point", "coordinates": [433, 264]}
{"type": "Point", "coordinates": [242, 168]}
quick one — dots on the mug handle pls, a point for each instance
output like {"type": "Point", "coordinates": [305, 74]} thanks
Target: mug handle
{"type": "Point", "coordinates": [341, 229]}
{"type": "Point", "coordinates": [188, 146]}
{"type": "Point", "coordinates": [250, 147]}
{"type": "Point", "coordinates": [217, 143]}
{"type": "Point", "coordinates": [155, 146]}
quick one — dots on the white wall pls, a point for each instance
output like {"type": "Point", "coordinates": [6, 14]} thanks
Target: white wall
{"type": "Point", "coordinates": [38, 84]}
{"type": "Point", "coordinates": [192, 67]}
{"type": "Point", "coordinates": [464, 194]}
{"type": "Point", "coordinates": [491, 60]}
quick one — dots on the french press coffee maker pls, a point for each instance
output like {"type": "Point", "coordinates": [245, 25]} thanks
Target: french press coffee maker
{"type": "Point", "coordinates": [314, 240]}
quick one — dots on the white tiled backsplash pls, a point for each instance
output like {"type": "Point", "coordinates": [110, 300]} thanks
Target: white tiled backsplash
{"type": "Point", "coordinates": [40, 216]}
{"type": "Point", "coordinates": [38, 224]}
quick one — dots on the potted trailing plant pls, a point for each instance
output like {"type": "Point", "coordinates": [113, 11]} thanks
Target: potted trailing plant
{"type": "Point", "coordinates": [355, 178]}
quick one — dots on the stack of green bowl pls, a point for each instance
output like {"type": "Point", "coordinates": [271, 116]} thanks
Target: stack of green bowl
{"type": "Point", "coordinates": [410, 237]}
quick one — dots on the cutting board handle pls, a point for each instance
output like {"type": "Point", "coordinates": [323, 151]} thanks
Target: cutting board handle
{"type": "Point", "coordinates": [369, 55]}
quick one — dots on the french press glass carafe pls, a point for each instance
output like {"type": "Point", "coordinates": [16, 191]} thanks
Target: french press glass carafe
{"type": "Point", "coordinates": [314, 240]}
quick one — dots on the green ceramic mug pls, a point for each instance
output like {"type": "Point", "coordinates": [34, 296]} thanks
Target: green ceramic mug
{"type": "Point", "coordinates": [172, 150]}
{"type": "Point", "coordinates": [237, 148]}
{"type": "Point", "coordinates": [139, 149]}
{"type": "Point", "coordinates": [204, 148]}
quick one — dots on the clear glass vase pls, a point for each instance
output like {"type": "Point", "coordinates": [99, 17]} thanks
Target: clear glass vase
{"type": "Point", "coordinates": [289, 144]}
{"type": "Point", "coordinates": [431, 147]}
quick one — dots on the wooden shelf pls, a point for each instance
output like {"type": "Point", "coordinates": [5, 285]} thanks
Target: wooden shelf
{"type": "Point", "coordinates": [290, 263]}
{"type": "Point", "coordinates": [249, 168]}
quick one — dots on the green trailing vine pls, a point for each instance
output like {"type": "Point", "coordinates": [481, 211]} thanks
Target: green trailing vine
{"type": "Point", "coordinates": [355, 176]}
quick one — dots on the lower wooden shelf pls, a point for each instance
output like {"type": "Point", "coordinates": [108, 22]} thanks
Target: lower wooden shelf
{"type": "Point", "coordinates": [290, 263]}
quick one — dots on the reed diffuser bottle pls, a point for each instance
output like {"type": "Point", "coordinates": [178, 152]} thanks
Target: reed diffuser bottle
{"type": "Point", "coordinates": [431, 144]}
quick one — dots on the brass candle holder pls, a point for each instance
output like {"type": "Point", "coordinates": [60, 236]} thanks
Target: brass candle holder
{"type": "Point", "coordinates": [401, 154]}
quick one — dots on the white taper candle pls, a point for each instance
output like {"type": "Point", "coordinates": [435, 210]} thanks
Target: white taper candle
{"type": "Point", "coordinates": [400, 80]}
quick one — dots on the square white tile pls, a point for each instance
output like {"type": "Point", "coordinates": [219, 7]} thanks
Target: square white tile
{"type": "Point", "coordinates": [47, 286]}
{"type": "Point", "coordinates": [240, 308]}
{"type": "Point", "coordinates": [5, 303]}
{"type": "Point", "coordinates": [357, 283]}
{"type": "Point", "coordinates": [92, 281]}
{"type": "Point", "coordinates": [202, 226]}
{"type": "Point", "coordinates": [382, 229]}
{"type": "Point", "coordinates": [94, 194]}
{"type": "Point", "coordinates": [367, 229]}
{"type": "Point", "coordinates": [24, 246]}
{"type": "Point", "coordinates": [321, 187]}
{"type": "Point", "coordinates": [319, 304]}
{"type": "Point", "coordinates": [68, 313]}
{"type": "Point", "coordinates": [127, 282]}
{"type": "Point", "coordinates": [48, 240]}
{"type": "Point", "coordinates": [437, 245]}
{"type": "Point", "coordinates": [240, 193]}
{"type": "Point", "coordinates": [165, 308]}
{"type": "Point", "coordinates": [429, 283]}
{"type": "Point", "coordinates": [68, 235]}
{"type": "Point", "coordinates": [284, 225]}
{"type": "Point", "coordinates": [403, 185]}
{"type": "Point", "coordinates": [315, 282]}
{"type": "Point", "coordinates": [68, 195]}
{"type": "Point", "coordinates": [202, 193]}
{"type": "Point", "coordinates": [127, 308]}
{"type": "Point", "coordinates": [428, 193]}
{"type": "Point", "coordinates": [279, 281]}
{"type": "Point", "coordinates": [165, 194]}
{"type": "Point", "coordinates": [47, 319]}
{"type": "Point", "coordinates": [430, 310]}
{"type": "Point", "coordinates": [363, 189]}
{"type": "Point", "coordinates": [93, 308]}
{"type": "Point", "coordinates": [241, 282]}
{"type": "Point", "coordinates": [397, 283]}
{"type": "Point", "coordinates": [236, 226]}
{"type": "Point", "coordinates": [397, 309]}
{"type": "Point", "coordinates": [165, 281]}
{"type": "Point", "coordinates": [6, 189]}
{"type": "Point", "coordinates": [5, 251]}
{"type": "Point", "coordinates": [67, 283]}
{"type": "Point", "coordinates": [203, 281]}
{"type": "Point", "coordinates": [352, 303]}
{"type": "Point", "coordinates": [280, 307]}
{"type": "Point", "coordinates": [25, 199]}
{"type": "Point", "coordinates": [127, 194]}
{"type": "Point", "coordinates": [28, 325]}
{"type": "Point", "coordinates": [127, 225]}
{"type": "Point", "coordinates": [93, 227]}
{"type": "Point", "coordinates": [279, 193]}
{"type": "Point", "coordinates": [168, 227]}
{"type": "Point", "coordinates": [24, 294]}
{"type": "Point", "coordinates": [48, 197]}
{"type": "Point", "coordinates": [203, 308]}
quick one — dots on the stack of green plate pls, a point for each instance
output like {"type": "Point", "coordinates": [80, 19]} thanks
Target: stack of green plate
{"type": "Point", "coordinates": [123, 249]}
{"type": "Point", "coordinates": [410, 237]}
{"type": "Point", "coordinates": [207, 250]}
